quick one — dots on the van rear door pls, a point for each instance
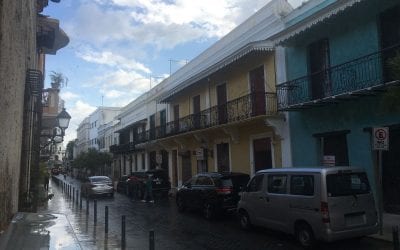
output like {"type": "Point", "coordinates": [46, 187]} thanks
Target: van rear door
{"type": "Point", "coordinates": [350, 200]}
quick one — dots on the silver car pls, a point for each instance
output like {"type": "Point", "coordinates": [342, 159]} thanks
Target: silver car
{"type": "Point", "coordinates": [311, 203]}
{"type": "Point", "coordinates": [97, 185]}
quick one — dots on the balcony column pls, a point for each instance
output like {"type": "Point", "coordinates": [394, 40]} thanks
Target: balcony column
{"type": "Point", "coordinates": [282, 132]}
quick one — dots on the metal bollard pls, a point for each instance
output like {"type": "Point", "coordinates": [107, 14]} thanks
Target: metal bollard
{"type": "Point", "coordinates": [95, 211]}
{"type": "Point", "coordinates": [395, 234]}
{"type": "Point", "coordinates": [77, 195]}
{"type": "Point", "coordinates": [73, 194]}
{"type": "Point", "coordinates": [106, 220]}
{"type": "Point", "coordinates": [123, 231]}
{"type": "Point", "coordinates": [87, 205]}
{"type": "Point", "coordinates": [80, 201]}
{"type": "Point", "coordinates": [151, 240]}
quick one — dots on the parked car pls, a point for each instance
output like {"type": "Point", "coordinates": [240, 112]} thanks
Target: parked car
{"type": "Point", "coordinates": [211, 193]}
{"type": "Point", "coordinates": [55, 171]}
{"type": "Point", "coordinates": [136, 183]}
{"type": "Point", "coordinates": [324, 204]}
{"type": "Point", "coordinates": [97, 185]}
{"type": "Point", "coordinates": [122, 184]}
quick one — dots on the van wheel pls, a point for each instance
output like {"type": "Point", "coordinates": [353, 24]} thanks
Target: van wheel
{"type": "Point", "coordinates": [305, 236]}
{"type": "Point", "coordinates": [244, 219]}
{"type": "Point", "coordinates": [208, 211]}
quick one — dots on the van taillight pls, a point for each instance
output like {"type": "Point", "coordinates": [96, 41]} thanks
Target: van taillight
{"type": "Point", "coordinates": [224, 190]}
{"type": "Point", "coordinates": [325, 212]}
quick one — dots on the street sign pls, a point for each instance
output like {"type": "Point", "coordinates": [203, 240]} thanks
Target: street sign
{"type": "Point", "coordinates": [381, 138]}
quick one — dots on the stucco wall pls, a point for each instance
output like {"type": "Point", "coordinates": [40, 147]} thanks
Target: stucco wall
{"type": "Point", "coordinates": [17, 54]}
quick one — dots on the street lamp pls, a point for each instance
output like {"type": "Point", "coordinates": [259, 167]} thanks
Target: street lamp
{"type": "Point", "coordinates": [63, 119]}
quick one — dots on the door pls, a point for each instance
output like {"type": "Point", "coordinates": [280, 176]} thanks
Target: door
{"type": "Point", "coordinates": [335, 145]}
{"type": "Point", "coordinates": [152, 159]}
{"type": "Point", "coordinates": [152, 127]}
{"type": "Point", "coordinates": [389, 36]}
{"type": "Point", "coordinates": [320, 84]}
{"type": "Point", "coordinates": [186, 167]}
{"type": "Point", "coordinates": [391, 173]}
{"type": "Point", "coordinates": [222, 105]}
{"type": "Point", "coordinates": [253, 199]}
{"type": "Point", "coordinates": [174, 168]}
{"type": "Point", "coordinates": [165, 160]}
{"type": "Point", "coordinates": [176, 119]}
{"type": "Point", "coordinates": [257, 85]}
{"type": "Point", "coordinates": [223, 157]}
{"type": "Point", "coordinates": [262, 154]}
{"type": "Point", "coordinates": [276, 201]}
{"type": "Point", "coordinates": [163, 123]}
{"type": "Point", "coordinates": [196, 111]}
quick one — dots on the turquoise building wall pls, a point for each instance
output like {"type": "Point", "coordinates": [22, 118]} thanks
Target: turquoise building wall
{"type": "Point", "coordinates": [352, 34]}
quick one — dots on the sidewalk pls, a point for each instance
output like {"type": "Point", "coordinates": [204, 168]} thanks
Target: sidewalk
{"type": "Point", "coordinates": [58, 225]}
{"type": "Point", "coordinates": [389, 220]}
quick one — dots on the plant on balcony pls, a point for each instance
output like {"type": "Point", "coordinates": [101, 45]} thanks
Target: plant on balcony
{"type": "Point", "coordinates": [58, 80]}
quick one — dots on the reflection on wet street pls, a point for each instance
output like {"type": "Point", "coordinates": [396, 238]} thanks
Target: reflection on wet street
{"type": "Point", "coordinates": [172, 230]}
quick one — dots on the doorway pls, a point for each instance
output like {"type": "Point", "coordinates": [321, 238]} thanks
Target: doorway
{"type": "Point", "coordinates": [186, 167]}
{"type": "Point", "coordinates": [319, 63]}
{"type": "Point", "coordinates": [221, 102]}
{"type": "Point", "coordinates": [262, 153]}
{"type": "Point", "coordinates": [391, 173]}
{"type": "Point", "coordinates": [223, 157]}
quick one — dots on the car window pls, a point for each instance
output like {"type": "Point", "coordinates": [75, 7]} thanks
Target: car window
{"type": "Point", "coordinates": [99, 179]}
{"type": "Point", "coordinates": [343, 184]}
{"type": "Point", "coordinates": [204, 181]}
{"type": "Point", "coordinates": [255, 184]}
{"type": "Point", "coordinates": [277, 184]}
{"type": "Point", "coordinates": [302, 185]}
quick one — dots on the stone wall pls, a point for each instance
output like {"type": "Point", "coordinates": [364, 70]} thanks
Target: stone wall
{"type": "Point", "coordinates": [17, 54]}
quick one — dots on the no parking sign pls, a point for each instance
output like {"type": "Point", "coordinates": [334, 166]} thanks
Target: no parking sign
{"type": "Point", "coordinates": [381, 138]}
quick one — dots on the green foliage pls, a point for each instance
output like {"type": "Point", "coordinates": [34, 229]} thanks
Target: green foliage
{"type": "Point", "coordinates": [92, 160]}
{"type": "Point", "coordinates": [58, 80]}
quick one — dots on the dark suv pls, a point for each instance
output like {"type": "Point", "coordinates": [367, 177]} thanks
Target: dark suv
{"type": "Point", "coordinates": [211, 192]}
{"type": "Point", "coordinates": [136, 183]}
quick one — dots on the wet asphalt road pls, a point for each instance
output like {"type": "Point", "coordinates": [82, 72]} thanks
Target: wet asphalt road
{"type": "Point", "coordinates": [173, 230]}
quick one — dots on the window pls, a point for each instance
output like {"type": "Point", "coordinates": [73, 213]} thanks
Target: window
{"type": "Point", "coordinates": [204, 181]}
{"type": "Point", "coordinates": [255, 184]}
{"type": "Point", "coordinates": [343, 184]}
{"type": "Point", "coordinates": [302, 185]}
{"type": "Point", "coordinates": [277, 184]}
{"type": "Point", "coordinates": [334, 146]}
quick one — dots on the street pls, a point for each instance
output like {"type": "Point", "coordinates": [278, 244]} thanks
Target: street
{"type": "Point", "coordinates": [172, 229]}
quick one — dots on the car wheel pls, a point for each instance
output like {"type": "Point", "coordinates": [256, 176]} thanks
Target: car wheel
{"type": "Point", "coordinates": [244, 219]}
{"type": "Point", "coordinates": [181, 204]}
{"type": "Point", "coordinates": [305, 236]}
{"type": "Point", "coordinates": [208, 211]}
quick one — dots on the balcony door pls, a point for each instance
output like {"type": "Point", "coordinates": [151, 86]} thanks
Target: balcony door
{"type": "Point", "coordinates": [320, 84]}
{"type": "Point", "coordinates": [196, 111]}
{"type": "Point", "coordinates": [152, 127]}
{"type": "Point", "coordinates": [390, 36]}
{"type": "Point", "coordinates": [257, 86]}
{"type": "Point", "coordinates": [176, 118]}
{"type": "Point", "coordinates": [221, 101]}
{"type": "Point", "coordinates": [163, 123]}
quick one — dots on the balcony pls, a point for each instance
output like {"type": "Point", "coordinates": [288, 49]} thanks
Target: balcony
{"type": "Point", "coordinates": [122, 148]}
{"type": "Point", "coordinates": [240, 109]}
{"type": "Point", "coordinates": [366, 75]}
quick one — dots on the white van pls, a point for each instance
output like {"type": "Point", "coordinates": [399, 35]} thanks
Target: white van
{"type": "Point", "coordinates": [311, 203]}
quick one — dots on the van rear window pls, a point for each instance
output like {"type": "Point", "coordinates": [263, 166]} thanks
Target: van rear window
{"type": "Point", "coordinates": [343, 184]}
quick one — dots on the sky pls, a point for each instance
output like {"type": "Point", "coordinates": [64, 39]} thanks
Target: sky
{"type": "Point", "coordinates": [118, 49]}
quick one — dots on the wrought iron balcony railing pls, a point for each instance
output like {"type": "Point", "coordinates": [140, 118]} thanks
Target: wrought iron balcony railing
{"type": "Point", "coordinates": [122, 148]}
{"type": "Point", "coordinates": [239, 109]}
{"type": "Point", "coordinates": [351, 79]}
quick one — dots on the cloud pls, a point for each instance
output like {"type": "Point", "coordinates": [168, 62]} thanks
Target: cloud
{"type": "Point", "coordinates": [68, 96]}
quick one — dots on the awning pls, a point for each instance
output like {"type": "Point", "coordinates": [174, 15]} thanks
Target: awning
{"type": "Point", "coordinates": [312, 20]}
{"type": "Point", "coordinates": [50, 37]}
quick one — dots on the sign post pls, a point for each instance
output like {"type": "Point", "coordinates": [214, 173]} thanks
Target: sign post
{"type": "Point", "coordinates": [381, 142]}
